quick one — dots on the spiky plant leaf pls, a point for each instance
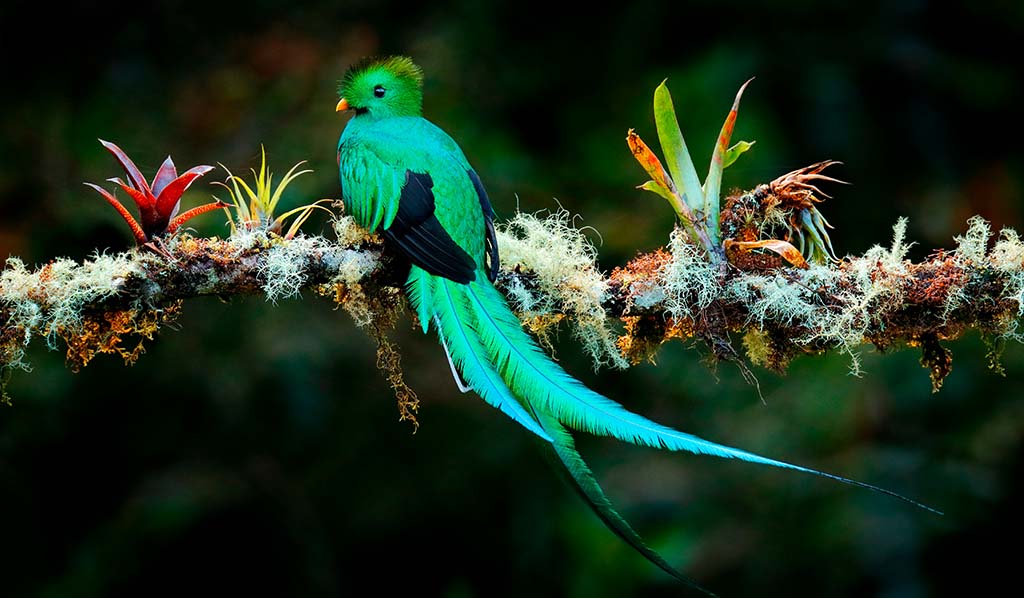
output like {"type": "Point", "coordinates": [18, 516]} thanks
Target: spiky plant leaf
{"type": "Point", "coordinates": [649, 161]}
{"type": "Point", "coordinates": [254, 206]}
{"type": "Point", "coordinates": [680, 164]}
{"type": "Point", "coordinates": [661, 182]}
{"type": "Point", "coordinates": [655, 187]}
{"type": "Point", "coordinates": [288, 178]}
{"type": "Point", "coordinates": [733, 153]}
{"type": "Point", "coordinates": [713, 182]}
{"type": "Point", "coordinates": [158, 204]}
{"type": "Point", "coordinates": [304, 212]}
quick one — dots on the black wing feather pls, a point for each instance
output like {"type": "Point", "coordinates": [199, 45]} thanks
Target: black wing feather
{"type": "Point", "coordinates": [419, 235]}
{"type": "Point", "coordinates": [493, 261]}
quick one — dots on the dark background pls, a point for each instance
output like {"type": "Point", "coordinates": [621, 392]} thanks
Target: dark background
{"type": "Point", "coordinates": [255, 449]}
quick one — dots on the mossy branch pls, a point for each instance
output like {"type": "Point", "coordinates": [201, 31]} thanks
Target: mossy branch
{"type": "Point", "coordinates": [111, 303]}
{"type": "Point", "coordinates": [730, 270]}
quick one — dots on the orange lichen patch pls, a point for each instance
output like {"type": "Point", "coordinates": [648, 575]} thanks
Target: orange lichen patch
{"type": "Point", "coordinates": [12, 341]}
{"type": "Point", "coordinates": [643, 268]}
{"type": "Point", "coordinates": [681, 328]}
{"type": "Point", "coordinates": [541, 326]}
{"type": "Point", "coordinates": [389, 361]}
{"type": "Point", "coordinates": [39, 291]}
{"type": "Point", "coordinates": [220, 252]}
{"type": "Point", "coordinates": [114, 332]}
{"type": "Point", "coordinates": [645, 334]}
{"type": "Point", "coordinates": [188, 246]}
{"type": "Point", "coordinates": [748, 255]}
{"type": "Point", "coordinates": [336, 292]}
{"type": "Point", "coordinates": [932, 282]}
{"type": "Point", "coordinates": [937, 359]}
{"type": "Point", "coordinates": [640, 274]}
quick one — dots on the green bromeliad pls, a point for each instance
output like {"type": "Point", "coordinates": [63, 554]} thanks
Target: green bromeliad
{"type": "Point", "coordinates": [404, 177]}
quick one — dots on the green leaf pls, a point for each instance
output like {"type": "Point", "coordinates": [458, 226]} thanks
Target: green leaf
{"type": "Point", "coordinates": [680, 164]}
{"type": "Point", "coordinates": [814, 224]}
{"type": "Point", "coordinates": [656, 187]}
{"type": "Point", "coordinates": [713, 184]}
{"type": "Point", "coordinates": [733, 153]}
{"type": "Point", "coordinates": [304, 212]}
{"type": "Point", "coordinates": [288, 178]}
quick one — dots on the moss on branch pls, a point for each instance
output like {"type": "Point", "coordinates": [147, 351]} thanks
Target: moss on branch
{"type": "Point", "coordinates": [113, 303]}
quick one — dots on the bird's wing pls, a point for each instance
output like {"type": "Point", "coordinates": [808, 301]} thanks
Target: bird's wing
{"type": "Point", "coordinates": [417, 232]}
{"type": "Point", "coordinates": [382, 194]}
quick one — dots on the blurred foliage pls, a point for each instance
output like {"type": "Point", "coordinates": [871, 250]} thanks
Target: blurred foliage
{"type": "Point", "coordinates": [257, 449]}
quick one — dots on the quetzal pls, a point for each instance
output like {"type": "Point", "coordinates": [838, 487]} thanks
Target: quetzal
{"type": "Point", "coordinates": [404, 177]}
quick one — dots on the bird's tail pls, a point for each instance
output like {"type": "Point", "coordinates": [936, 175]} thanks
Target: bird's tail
{"type": "Point", "coordinates": [544, 386]}
{"type": "Point", "coordinates": [488, 348]}
{"type": "Point", "coordinates": [563, 449]}
{"type": "Point", "coordinates": [446, 304]}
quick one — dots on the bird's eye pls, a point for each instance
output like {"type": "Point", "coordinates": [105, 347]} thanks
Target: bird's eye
{"type": "Point", "coordinates": [378, 91]}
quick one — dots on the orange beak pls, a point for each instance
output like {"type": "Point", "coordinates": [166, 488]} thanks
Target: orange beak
{"type": "Point", "coordinates": [342, 105]}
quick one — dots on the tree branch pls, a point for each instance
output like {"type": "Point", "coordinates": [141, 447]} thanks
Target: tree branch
{"type": "Point", "coordinates": [112, 303]}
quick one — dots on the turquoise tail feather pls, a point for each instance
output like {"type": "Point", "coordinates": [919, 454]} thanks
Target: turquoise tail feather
{"type": "Point", "coordinates": [447, 307]}
{"type": "Point", "coordinates": [564, 450]}
{"type": "Point", "coordinates": [542, 383]}
{"type": "Point", "coordinates": [506, 367]}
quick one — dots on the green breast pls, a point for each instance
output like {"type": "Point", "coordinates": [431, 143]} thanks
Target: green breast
{"type": "Point", "coordinates": [373, 157]}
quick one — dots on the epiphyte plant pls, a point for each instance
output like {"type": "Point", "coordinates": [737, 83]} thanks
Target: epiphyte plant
{"type": "Point", "coordinates": [158, 202]}
{"type": "Point", "coordinates": [252, 206]}
{"type": "Point", "coordinates": [696, 205]}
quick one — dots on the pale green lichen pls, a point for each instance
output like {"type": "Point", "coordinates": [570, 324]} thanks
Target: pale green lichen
{"type": "Point", "coordinates": [897, 253]}
{"type": "Point", "coordinates": [568, 280]}
{"type": "Point", "coordinates": [349, 233]}
{"type": "Point", "coordinates": [49, 300]}
{"type": "Point", "coordinates": [283, 271]}
{"type": "Point", "coordinates": [971, 249]}
{"type": "Point", "coordinates": [686, 284]}
{"type": "Point", "coordinates": [244, 239]}
{"type": "Point", "coordinates": [758, 347]}
{"type": "Point", "coordinates": [773, 298]}
{"type": "Point", "coordinates": [284, 268]}
{"type": "Point", "coordinates": [52, 296]}
{"type": "Point", "coordinates": [875, 288]}
{"type": "Point", "coordinates": [351, 267]}
{"type": "Point", "coordinates": [1008, 257]}
{"type": "Point", "coordinates": [973, 245]}
{"type": "Point", "coordinates": [872, 286]}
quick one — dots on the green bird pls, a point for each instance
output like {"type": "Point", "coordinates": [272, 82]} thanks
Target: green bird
{"type": "Point", "coordinates": [404, 177]}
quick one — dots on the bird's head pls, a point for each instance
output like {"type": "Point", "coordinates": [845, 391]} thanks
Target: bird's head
{"type": "Point", "coordinates": [382, 88]}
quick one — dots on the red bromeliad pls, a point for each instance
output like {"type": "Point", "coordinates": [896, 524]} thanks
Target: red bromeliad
{"type": "Point", "coordinates": [158, 203]}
